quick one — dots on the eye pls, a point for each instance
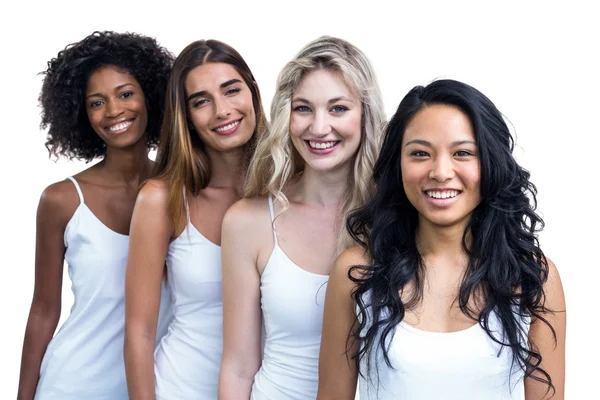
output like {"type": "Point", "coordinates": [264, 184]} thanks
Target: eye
{"type": "Point", "coordinates": [199, 102]}
{"type": "Point", "coordinates": [302, 109]}
{"type": "Point", "coordinates": [95, 103]}
{"type": "Point", "coordinates": [126, 95]}
{"type": "Point", "coordinates": [463, 153]}
{"type": "Point", "coordinates": [339, 109]}
{"type": "Point", "coordinates": [232, 91]}
{"type": "Point", "coordinates": [419, 153]}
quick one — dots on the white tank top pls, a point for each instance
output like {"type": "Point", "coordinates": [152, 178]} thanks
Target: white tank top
{"type": "Point", "coordinates": [461, 365]}
{"type": "Point", "coordinates": [188, 358]}
{"type": "Point", "coordinates": [84, 360]}
{"type": "Point", "coordinates": [292, 305]}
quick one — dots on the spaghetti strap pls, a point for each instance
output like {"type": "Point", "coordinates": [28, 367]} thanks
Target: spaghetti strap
{"type": "Point", "coordinates": [78, 189]}
{"type": "Point", "coordinates": [187, 207]}
{"type": "Point", "coordinates": [272, 218]}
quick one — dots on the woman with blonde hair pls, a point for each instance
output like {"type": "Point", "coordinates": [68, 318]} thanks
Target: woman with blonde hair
{"type": "Point", "coordinates": [281, 240]}
{"type": "Point", "coordinates": [213, 117]}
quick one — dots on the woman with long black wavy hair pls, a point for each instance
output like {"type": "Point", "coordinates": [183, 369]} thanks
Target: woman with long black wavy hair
{"type": "Point", "coordinates": [450, 295]}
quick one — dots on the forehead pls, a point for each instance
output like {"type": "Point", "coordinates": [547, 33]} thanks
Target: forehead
{"type": "Point", "coordinates": [210, 76]}
{"type": "Point", "coordinates": [323, 84]}
{"type": "Point", "coordinates": [109, 77]}
{"type": "Point", "coordinates": [439, 124]}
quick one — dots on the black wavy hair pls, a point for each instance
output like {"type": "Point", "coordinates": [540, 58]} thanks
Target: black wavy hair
{"type": "Point", "coordinates": [506, 264]}
{"type": "Point", "coordinates": [63, 89]}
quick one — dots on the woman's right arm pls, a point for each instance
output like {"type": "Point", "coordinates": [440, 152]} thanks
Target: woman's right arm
{"type": "Point", "coordinates": [337, 370]}
{"type": "Point", "coordinates": [54, 211]}
{"type": "Point", "coordinates": [149, 236]}
{"type": "Point", "coordinates": [242, 318]}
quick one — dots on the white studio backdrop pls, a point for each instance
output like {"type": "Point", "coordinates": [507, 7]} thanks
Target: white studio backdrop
{"type": "Point", "coordinates": [536, 60]}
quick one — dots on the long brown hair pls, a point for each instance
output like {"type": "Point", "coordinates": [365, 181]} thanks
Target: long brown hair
{"type": "Point", "coordinates": [182, 161]}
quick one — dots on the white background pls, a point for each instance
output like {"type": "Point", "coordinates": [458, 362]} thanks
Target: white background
{"type": "Point", "coordinates": [536, 60]}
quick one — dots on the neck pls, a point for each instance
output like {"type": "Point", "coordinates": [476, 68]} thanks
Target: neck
{"type": "Point", "coordinates": [130, 166]}
{"type": "Point", "coordinates": [227, 169]}
{"type": "Point", "coordinates": [436, 241]}
{"type": "Point", "coordinates": [322, 188]}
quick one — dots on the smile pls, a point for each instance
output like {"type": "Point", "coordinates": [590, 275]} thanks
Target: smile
{"type": "Point", "coordinates": [121, 126]}
{"type": "Point", "coordinates": [321, 145]}
{"type": "Point", "coordinates": [225, 128]}
{"type": "Point", "coordinates": [442, 194]}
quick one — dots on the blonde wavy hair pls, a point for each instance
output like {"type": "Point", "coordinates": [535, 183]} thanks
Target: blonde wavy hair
{"type": "Point", "coordinates": [181, 160]}
{"type": "Point", "coordinates": [277, 163]}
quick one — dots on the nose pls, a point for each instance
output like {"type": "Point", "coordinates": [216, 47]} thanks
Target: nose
{"type": "Point", "coordinates": [320, 125]}
{"type": "Point", "coordinates": [222, 108]}
{"type": "Point", "coordinates": [114, 108]}
{"type": "Point", "coordinates": [442, 169]}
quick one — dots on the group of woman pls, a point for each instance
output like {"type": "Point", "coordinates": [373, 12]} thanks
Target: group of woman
{"type": "Point", "coordinates": [285, 259]}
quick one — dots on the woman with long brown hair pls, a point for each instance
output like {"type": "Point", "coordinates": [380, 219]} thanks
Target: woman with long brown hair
{"type": "Point", "coordinates": [213, 116]}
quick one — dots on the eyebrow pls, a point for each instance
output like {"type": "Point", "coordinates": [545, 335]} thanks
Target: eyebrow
{"type": "Point", "coordinates": [330, 101]}
{"type": "Point", "coordinates": [428, 144]}
{"type": "Point", "coordinates": [222, 86]}
{"type": "Point", "coordinates": [115, 89]}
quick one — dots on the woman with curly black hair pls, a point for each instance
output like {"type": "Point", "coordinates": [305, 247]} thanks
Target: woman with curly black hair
{"type": "Point", "coordinates": [450, 295]}
{"type": "Point", "coordinates": [101, 98]}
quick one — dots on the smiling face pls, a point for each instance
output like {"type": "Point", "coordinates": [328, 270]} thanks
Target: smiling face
{"type": "Point", "coordinates": [325, 123]}
{"type": "Point", "coordinates": [116, 107]}
{"type": "Point", "coordinates": [220, 106]}
{"type": "Point", "coordinates": [440, 165]}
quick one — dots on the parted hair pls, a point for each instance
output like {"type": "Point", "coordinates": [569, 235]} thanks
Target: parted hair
{"type": "Point", "coordinates": [277, 163]}
{"type": "Point", "coordinates": [181, 160]}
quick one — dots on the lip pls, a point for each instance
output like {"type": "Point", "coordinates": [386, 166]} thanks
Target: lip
{"type": "Point", "coordinates": [321, 151]}
{"type": "Point", "coordinates": [229, 131]}
{"type": "Point", "coordinates": [120, 131]}
{"type": "Point", "coordinates": [441, 202]}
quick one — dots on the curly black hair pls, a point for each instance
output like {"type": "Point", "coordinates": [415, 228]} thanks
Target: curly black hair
{"type": "Point", "coordinates": [63, 89]}
{"type": "Point", "coordinates": [506, 263]}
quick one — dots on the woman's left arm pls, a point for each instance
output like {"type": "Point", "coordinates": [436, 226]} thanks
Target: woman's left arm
{"type": "Point", "coordinates": [551, 348]}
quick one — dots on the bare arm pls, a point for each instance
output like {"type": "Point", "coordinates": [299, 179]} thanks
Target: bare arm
{"type": "Point", "coordinates": [552, 352]}
{"type": "Point", "coordinates": [242, 318]}
{"type": "Point", "coordinates": [150, 233]}
{"type": "Point", "coordinates": [52, 216]}
{"type": "Point", "coordinates": [337, 371]}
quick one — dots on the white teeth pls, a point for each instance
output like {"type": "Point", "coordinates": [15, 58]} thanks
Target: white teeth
{"type": "Point", "coordinates": [121, 126]}
{"type": "Point", "coordinates": [442, 195]}
{"type": "Point", "coordinates": [321, 145]}
{"type": "Point", "coordinates": [227, 127]}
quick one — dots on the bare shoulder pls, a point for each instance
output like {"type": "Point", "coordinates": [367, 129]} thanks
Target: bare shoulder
{"type": "Point", "coordinates": [59, 200]}
{"type": "Point", "coordinates": [247, 213]}
{"type": "Point", "coordinates": [354, 256]}
{"type": "Point", "coordinates": [553, 288]}
{"type": "Point", "coordinates": [154, 194]}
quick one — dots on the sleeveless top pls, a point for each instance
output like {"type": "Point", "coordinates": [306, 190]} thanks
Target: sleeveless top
{"type": "Point", "coordinates": [292, 302]}
{"type": "Point", "coordinates": [188, 358]}
{"type": "Point", "coordinates": [84, 360]}
{"type": "Point", "coordinates": [461, 365]}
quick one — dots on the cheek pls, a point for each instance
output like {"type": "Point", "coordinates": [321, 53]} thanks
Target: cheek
{"type": "Point", "coordinates": [297, 126]}
{"type": "Point", "coordinates": [94, 118]}
{"type": "Point", "coordinates": [412, 176]}
{"type": "Point", "coordinates": [198, 120]}
{"type": "Point", "coordinates": [472, 175]}
{"type": "Point", "coordinates": [350, 127]}
{"type": "Point", "coordinates": [143, 109]}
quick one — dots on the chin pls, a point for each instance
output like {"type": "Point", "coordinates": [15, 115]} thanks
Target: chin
{"type": "Point", "coordinates": [446, 221]}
